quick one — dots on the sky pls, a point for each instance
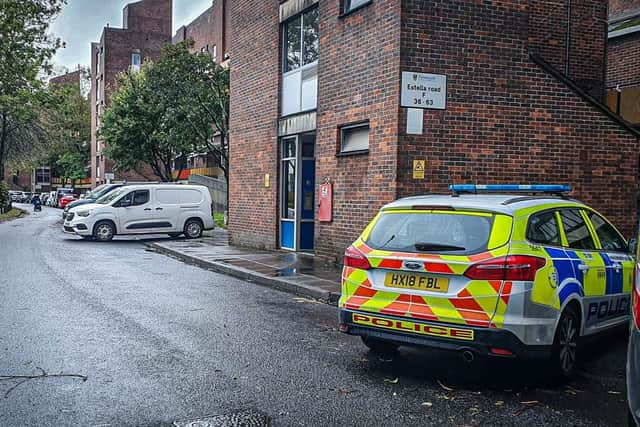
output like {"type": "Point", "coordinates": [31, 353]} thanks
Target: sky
{"type": "Point", "coordinates": [81, 22]}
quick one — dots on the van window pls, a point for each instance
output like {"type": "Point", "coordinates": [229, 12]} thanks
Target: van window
{"type": "Point", "coordinates": [433, 232]}
{"type": "Point", "coordinates": [141, 197]}
{"type": "Point", "coordinates": [167, 196]}
{"type": "Point", "coordinates": [190, 196]}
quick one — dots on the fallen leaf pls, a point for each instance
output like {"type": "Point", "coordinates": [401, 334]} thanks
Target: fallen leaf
{"type": "Point", "coordinates": [530, 402]}
{"type": "Point", "coordinates": [499, 403]}
{"type": "Point", "coordinates": [444, 387]}
{"type": "Point", "coordinates": [429, 404]}
{"type": "Point", "coordinates": [613, 392]}
{"type": "Point", "coordinates": [345, 391]}
{"type": "Point", "coordinates": [395, 381]}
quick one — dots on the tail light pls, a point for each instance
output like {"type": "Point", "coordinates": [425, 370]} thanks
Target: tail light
{"type": "Point", "coordinates": [636, 298]}
{"type": "Point", "coordinates": [512, 267]}
{"type": "Point", "coordinates": [354, 258]}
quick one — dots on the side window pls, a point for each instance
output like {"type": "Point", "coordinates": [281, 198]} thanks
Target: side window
{"type": "Point", "coordinates": [609, 237]}
{"type": "Point", "coordinates": [126, 200]}
{"type": "Point", "coordinates": [141, 197]}
{"type": "Point", "coordinates": [543, 229]}
{"type": "Point", "coordinates": [576, 230]}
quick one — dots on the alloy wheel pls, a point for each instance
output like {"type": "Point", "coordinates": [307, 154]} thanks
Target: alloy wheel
{"type": "Point", "coordinates": [568, 343]}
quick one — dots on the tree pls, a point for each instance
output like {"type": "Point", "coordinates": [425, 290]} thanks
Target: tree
{"type": "Point", "coordinates": [66, 120]}
{"type": "Point", "coordinates": [139, 127]}
{"type": "Point", "coordinates": [169, 108]}
{"type": "Point", "coordinates": [196, 91]}
{"type": "Point", "coordinates": [25, 51]}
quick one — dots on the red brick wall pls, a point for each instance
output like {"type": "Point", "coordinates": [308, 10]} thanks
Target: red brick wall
{"type": "Point", "coordinates": [148, 29]}
{"type": "Point", "coordinates": [357, 80]}
{"type": "Point", "coordinates": [253, 148]}
{"type": "Point", "coordinates": [209, 29]}
{"type": "Point", "coordinates": [507, 120]}
{"type": "Point", "coordinates": [623, 61]}
{"type": "Point", "coordinates": [549, 31]}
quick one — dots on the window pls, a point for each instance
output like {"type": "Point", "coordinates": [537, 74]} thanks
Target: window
{"type": "Point", "coordinates": [576, 230]}
{"type": "Point", "coordinates": [135, 61]}
{"type": "Point", "coordinates": [141, 197]}
{"type": "Point", "coordinates": [354, 138]}
{"type": "Point", "coordinates": [610, 239]}
{"type": "Point", "coordinates": [300, 67]}
{"type": "Point", "coordinates": [431, 232]}
{"type": "Point", "coordinates": [543, 229]}
{"type": "Point", "coordinates": [350, 5]}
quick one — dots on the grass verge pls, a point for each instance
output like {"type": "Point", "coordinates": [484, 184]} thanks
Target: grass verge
{"type": "Point", "coordinates": [12, 214]}
{"type": "Point", "coordinates": [218, 219]}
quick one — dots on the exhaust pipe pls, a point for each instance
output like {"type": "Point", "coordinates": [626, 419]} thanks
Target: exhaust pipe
{"type": "Point", "coordinates": [468, 356]}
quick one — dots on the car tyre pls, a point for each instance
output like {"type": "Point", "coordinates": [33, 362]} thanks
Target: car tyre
{"type": "Point", "coordinates": [174, 235]}
{"type": "Point", "coordinates": [564, 359]}
{"type": "Point", "coordinates": [632, 422]}
{"type": "Point", "coordinates": [193, 229]}
{"type": "Point", "coordinates": [104, 231]}
{"type": "Point", "coordinates": [379, 346]}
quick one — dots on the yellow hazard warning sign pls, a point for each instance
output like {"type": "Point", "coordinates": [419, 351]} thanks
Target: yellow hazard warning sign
{"type": "Point", "coordinates": [418, 169]}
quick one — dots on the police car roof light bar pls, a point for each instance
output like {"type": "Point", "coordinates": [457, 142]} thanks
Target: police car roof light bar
{"type": "Point", "coordinates": [558, 189]}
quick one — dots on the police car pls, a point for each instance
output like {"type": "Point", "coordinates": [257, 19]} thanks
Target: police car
{"type": "Point", "coordinates": [633, 359]}
{"type": "Point", "coordinates": [490, 271]}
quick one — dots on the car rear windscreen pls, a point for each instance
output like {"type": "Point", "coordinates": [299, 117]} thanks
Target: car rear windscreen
{"type": "Point", "coordinates": [431, 232]}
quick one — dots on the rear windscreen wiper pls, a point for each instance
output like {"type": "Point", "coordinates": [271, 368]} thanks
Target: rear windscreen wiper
{"type": "Point", "coordinates": [437, 247]}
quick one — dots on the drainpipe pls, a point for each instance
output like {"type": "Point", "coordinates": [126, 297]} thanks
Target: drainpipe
{"type": "Point", "coordinates": [568, 40]}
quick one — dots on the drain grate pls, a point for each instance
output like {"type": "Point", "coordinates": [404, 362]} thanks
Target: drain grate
{"type": "Point", "coordinates": [236, 419]}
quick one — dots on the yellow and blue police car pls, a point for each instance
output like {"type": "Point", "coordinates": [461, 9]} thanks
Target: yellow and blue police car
{"type": "Point", "coordinates": [487, 271]}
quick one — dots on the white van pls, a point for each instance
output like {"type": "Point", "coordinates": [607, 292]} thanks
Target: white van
{"type": "Point", "coordinates": [144, 209]}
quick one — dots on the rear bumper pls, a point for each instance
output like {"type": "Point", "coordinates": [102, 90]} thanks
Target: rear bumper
{"type": "Point", "coordinates": [440, 335]}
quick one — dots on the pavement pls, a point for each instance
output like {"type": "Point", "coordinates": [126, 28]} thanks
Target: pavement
{"type": "Point", "coordinates": [115, 334]}
{"type": "Point", "coordinates": [296, 273]}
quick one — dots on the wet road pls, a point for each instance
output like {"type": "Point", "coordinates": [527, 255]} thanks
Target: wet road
{"type": "Point", "coordinates": [161, 341]}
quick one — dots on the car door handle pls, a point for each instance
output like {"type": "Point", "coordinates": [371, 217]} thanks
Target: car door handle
{"type": "Point", "coordinates": [158, 209]}
{"type": "Point", "coordinates": [583, 267]}
{"type": "Point", "coordinates": [147, 209]}
{"type": "Point", "coordinates": [617, 267]}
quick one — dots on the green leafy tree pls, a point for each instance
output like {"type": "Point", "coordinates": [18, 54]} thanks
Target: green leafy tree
{"type": "Point", "coordinates": [139, 127]}
{"type": "Point", "coordinates": [67, 124]}
{"type": "Point", "coordinates": [195, 90]}
{"type": "Point", "coordinates": [169, 108]}
{"type": "Point", "coordinates": [25, 51]}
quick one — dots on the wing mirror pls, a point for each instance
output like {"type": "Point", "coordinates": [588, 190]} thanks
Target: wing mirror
{"type": "Point", "coordinates": [633, 245]}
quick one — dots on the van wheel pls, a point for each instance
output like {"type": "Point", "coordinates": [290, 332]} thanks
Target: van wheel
{"type": "Point", "coordinates": [193, 229]}
{"type": "Point", "coordinates": [379, 346]}
{"type": "Point", "coordinates": [104, 231]}
{"type": "Point", "coordinates": [565, 345]}
{"type": "Point", "coordinates": [174, 235]}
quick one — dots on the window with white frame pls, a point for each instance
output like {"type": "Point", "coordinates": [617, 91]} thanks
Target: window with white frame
{"type": "Point", "coordinates": [354, 138]}
{"type": "Point", "coordinates": [135, 61]}
{"type": "Point", "coordinates": [300, 63]}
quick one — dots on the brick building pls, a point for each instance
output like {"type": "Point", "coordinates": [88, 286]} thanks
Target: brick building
{"type": "Point", "coordinates": [623, 60]}
{"type": "Point", "coordinates": [316, 97]}
{"type": "Point", "coordinates": [146, 28]}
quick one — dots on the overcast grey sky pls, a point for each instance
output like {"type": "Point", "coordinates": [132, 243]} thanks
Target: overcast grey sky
{"type": "Point", "coordinates": [81, 23]}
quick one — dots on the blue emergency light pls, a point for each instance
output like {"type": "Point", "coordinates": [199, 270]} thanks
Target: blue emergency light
{"type": "Point", "coordinates": [511, 188]}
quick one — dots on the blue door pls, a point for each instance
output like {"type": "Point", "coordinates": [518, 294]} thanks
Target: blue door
{"type": "Point", "coordinates": [297, 192]}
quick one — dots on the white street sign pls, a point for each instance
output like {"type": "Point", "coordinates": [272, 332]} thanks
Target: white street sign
{"type": "Point", "coordinates": [421, 90]}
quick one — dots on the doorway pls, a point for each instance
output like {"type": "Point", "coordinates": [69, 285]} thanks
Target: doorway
{"type": "Point", "coordinates": [297, 192]}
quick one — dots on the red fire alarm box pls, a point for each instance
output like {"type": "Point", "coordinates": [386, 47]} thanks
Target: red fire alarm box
{"type": "Point", "coordinates": [326, 203]}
